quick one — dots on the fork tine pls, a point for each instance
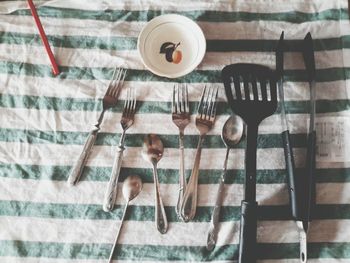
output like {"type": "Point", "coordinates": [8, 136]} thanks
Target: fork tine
{"type": "Point", "coordinates": [178, 99]}
{"type": "Point", "coordinates": [200, 105]}
{"type": "Point", "coordinates": [182, 104]}
{"type": "Point", "coordinates": [187, 108]}
{"type": "Point", "coordinates": [173, 106]}
{"type": "Point", "coordinates": [205, 105]}
{"type": "Point", "coordinates": [210, 103]}
{"type": "Point", "coordinates": [213, 112]}
{"type": "Point", "coordinates": [119, 83]}
{"type": "Point", "coordinates": [129, 101]}
{"type": "Point", "coordinates": [134, 102]}
{"type": "Point", "coordinates": [113, 84]}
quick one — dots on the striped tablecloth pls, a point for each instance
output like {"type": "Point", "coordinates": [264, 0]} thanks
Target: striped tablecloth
{"type": "Point", "coordinates": [44, 121]}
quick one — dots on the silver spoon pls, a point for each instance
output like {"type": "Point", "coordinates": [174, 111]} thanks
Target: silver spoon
{"type": "Point", "coordinates": [231, 135]}
{"type": "Point", "coordinates": [153, 151]}
{"type": "Point", "coordinates": [132, 186]}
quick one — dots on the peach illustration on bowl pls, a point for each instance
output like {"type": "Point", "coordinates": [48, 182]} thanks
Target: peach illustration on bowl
{"type": "Point", "coordinates": [171, 54]}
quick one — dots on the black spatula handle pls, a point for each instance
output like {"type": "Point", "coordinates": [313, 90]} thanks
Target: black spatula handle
{"type": "Point", "coordinates": [247, 243]}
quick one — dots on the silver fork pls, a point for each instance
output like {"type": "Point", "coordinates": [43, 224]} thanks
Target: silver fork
{"type": "Point", "coordinates": [204, 122]}
{"type": "Point", "coordinates": [126, 121]}
{"type": "Point", "coordinates": [181, 118]}
{"type": "Point", "coordinates": [109, 100]}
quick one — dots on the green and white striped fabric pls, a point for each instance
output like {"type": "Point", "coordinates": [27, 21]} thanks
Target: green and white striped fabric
{"type": "Point", "coordinates": [44, 121]}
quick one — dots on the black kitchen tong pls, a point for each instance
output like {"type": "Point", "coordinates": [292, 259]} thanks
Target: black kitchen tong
{"type": "Point", "coordinates": [301, 186]}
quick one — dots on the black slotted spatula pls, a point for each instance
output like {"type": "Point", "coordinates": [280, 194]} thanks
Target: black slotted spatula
{"type": "Point", "coordinates": [251, 93]}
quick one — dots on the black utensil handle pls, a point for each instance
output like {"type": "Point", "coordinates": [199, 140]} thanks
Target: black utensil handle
{"type": "Point", "coordinates": [310, 173]}
{"type": "Point", "coordinates": [293, 188]}
{"type": "Point", "coordinates": [247, 236]}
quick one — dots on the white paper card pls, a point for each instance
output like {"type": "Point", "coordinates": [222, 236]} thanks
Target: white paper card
{"type": "Point", "coordinates": [333, 142]}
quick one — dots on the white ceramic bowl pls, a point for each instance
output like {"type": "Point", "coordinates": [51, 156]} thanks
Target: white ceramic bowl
{"type": "Point", "coordinates": [171, 45]}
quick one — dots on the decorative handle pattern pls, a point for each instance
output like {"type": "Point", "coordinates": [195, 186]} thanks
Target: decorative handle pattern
{"type": "Point", "coordinates": [160, 215]}
{"type": "Point", "coordinates": [77, 170]}
{"type": "Point", "coordinates": [182, 176]}
{"type": "Point", "coordinates": [112, 189]}
{"type": "Point", "coordinates": [189, 205]}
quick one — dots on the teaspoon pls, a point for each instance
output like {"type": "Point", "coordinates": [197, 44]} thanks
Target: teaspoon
{"type": "Point", "coordinates": [153, 151]}
{"type": "Point", "coordinates": [231, 135]}
{"type": "Point", "coordinates": [132, 186]}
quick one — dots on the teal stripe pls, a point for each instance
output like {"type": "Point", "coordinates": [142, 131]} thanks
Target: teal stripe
{"type": "Point", "coordinates": [130, 43]}
{"type": "Point", "coordinates": [146, 213]}
{"type": "Point", "coordinates": [152, 253]}
{"type": "Point", "coordinates": [149, 107]}
{"type": "Point", "coordinates": [166, 176]}
{"type": "Point", "coordinates": [198, 15]}
{"type": "Point", "coordinates": [136, 140]}
{"type": "Point", "coordinates": [198, 76]}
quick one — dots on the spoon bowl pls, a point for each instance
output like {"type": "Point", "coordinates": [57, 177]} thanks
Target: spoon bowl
{"type": "Point", "coordinates": [232, 131]}
{"type": "Point", "coordinates": [153, 148]}
{"type": "Point", "coordinates": [132, 186]}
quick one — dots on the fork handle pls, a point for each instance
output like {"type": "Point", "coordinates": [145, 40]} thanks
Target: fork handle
{"type": "Point", "coordinates": [189, 205]}
{"type": "Point", "coordinates": [79, 165]}
{"type": "Point", "coordinates": [182, 176]}
{"type": "Point", "coordinates": [112, 187]}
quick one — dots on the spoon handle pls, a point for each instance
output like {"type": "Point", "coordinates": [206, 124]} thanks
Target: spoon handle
{"type": "Point", "coordinates": [189, 205]}
{"type": "Point", "coordinates": [213, 229]}
{"type": "Point", "coordinates": [160, 215]}
{"type": "Point", "coordinates": [119, 228]}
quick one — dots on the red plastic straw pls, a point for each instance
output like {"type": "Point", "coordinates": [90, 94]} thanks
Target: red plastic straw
{"type": "Point", "coordinates": [55, 69]}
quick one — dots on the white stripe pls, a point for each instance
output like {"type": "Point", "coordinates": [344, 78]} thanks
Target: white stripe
{"type": "Point", "coordinates": [101, 156]}
{"type": "Point", "coordinates": [93, 192]}
{"type": "Point", "coordinates": [184, 234]}
{"type": "Point", "coordinates": [52, 154]}
{"type": "Point", "coordinates": [83, 121]}
{"type": "Point", "coordinates": [223, 5]}
{"type": "Point", "coordinates": [80, 57]}
{"type": "Point", "coordinates": [146, 91]}
{"type": "Point", "coordinates": [211, 30]}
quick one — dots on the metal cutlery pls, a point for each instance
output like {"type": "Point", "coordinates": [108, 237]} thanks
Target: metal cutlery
{"type": "Point", "coordinates": [255, 99]}
{"type": "Point", "coordinates": [232, 133]}
{"type": "Point", "coordinates": [132, 186]}
{"type": "Point", "coordinates": [126, 121]}
{"type": "Point", "coordinates": [204, 122]}
{"type": "Point", "coordinates": [181, 118]}
{"type": "Point", "coordinates": [152, 151]}
{"type": "Point", "coordinates": [109, 100]}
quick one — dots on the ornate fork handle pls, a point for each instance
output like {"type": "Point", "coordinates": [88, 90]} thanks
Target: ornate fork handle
{"type": "Point", "coordinates": [111, 193]}
{"type": "Point", "coordinates": [182, 178]}
{"type": "Point", "coordinates": [78, 168]}
{"type": "Point", "coordinates": [189, 205]}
